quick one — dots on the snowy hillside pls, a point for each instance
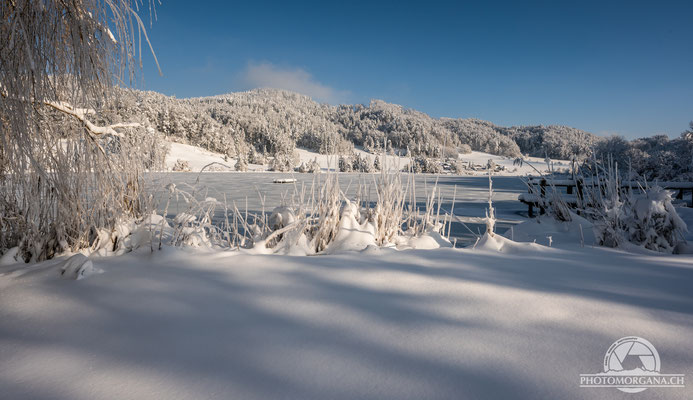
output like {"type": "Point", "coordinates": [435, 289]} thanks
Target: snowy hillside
{"type": "Point", "coordinates": [269, 123]}
{"type": "Point", "coordinates": [272, 121]}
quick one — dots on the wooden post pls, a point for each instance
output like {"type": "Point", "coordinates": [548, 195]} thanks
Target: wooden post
{"type": "Point", "coordinates": [542, 189]}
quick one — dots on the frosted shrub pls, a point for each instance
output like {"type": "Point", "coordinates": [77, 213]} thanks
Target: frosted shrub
{"type": "Point", "coordinates": [464, 149]}
{"type": "Point", "coordinates": [181, 166]}
{"type": "Point", "coordinates": [424, 165]}
{"type": "Point", "coordinates": [345, 164]}
{"type": "Point", "coordinates": [256, 157]}
{"type": "Point", "coordinates": [623, 215]}
{"type": "Point", "coordinates": [282, 163]}
{"type": "Point", "coordinates": [312, 221]}
{"type": "Point", "coordinates": [450, 152]}
{"type": "Point", "coordinates": [376, 164]}
{"type": "Point", "coordinates": [302, 168]}
{"type": "Point", "coordinates": [362, 164]}
{"type": "Point", "coordinates": [241, 164]}
{"type": "Point", "coordinates": [458, 167]}
{"type": "Point", "coordinates": [648, 219]}
{"type": "Point", "coordinates": [311, 167]}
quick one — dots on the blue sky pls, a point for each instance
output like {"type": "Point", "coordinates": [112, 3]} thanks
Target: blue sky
{"type": "Point", "coordinates": [606, 67]}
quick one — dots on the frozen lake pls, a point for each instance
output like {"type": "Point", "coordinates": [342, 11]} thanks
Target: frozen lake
{"type": "Point", "coordinates": [470, 204]}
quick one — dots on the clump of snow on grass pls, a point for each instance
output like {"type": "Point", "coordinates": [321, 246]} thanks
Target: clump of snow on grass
{"type": "Point", "coordinates": [77, 267]}
{"type": "Point", "coordinates": [10, 257]}
{"type": "Point", "coordinates": [427, 241]}
{"type": "Point", "coordinates": [351, 235]}
{"type": "Point", "coordinates": [498, 243]}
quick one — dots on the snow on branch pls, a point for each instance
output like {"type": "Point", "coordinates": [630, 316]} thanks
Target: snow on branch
{"type": "Point", "coordinates": [80, 114]}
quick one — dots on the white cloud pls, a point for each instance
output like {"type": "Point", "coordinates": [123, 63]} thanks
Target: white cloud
{"type": "Point", "coordinates": [266, 75]}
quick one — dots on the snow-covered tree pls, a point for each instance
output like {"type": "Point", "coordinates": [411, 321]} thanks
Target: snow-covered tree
{"type": "Point", "coordinates": [59, 186]}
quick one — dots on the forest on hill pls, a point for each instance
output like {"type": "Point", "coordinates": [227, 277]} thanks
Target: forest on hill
{"type": "Point", "coordinates": [272, 123]}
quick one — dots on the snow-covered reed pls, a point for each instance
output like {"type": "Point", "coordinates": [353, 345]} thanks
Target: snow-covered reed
{"type": "Point", "coordinates": [314, 219]}
{"type": "Point", "coordinates": [622, 214]}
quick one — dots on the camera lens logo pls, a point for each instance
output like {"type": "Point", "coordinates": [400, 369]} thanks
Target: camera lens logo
{"type": "Point", "coordinates": [631, 365]}
{"type": "Point", "coordinates": [632, 355]}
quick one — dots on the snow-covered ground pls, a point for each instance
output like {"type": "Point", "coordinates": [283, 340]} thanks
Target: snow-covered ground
{"type": "Point", "coordinates": [523, 322]}
{"type": "Point", "coordinates": [498, 319]}
{"type": "Point", "coordinates": [197, 158]}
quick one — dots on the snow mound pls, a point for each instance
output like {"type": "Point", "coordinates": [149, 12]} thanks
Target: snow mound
{"type": "Point", "coordinates": [77, 267]}
{"type": "Point", "coordinates": [550, 232]}
{"type": "Point", "coordinates": [498, 243]}
{"type": "Point", "coordinates": [351, 235]}
{"type": "Point", "coordinates": [428, 241]}
{"type": "Point", "coordinates": [281, 216]}
{"type": "Point", "coordinates": [10, 257]}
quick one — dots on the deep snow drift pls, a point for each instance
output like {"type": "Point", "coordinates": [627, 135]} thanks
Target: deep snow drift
{"type": "Point", "coordinates": [514, 321]}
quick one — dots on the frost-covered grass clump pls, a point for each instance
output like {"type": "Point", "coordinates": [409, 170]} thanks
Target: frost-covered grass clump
{"type": "Point", "coordinates": [314, 219]}
{"type": "Point", "coordinates": [647, 219]}
{"type": "Point", "coordinates": [622, 215]}
{"type": "Point", "coordinates": [320, 219]}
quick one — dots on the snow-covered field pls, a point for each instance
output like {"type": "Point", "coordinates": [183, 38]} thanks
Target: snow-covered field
{"type": "Point", "coordinates": [197, 158]}
{"type": "Point", "coordinates": [502, 319]}
{"type": "Point", "coordinates": [386, 324]}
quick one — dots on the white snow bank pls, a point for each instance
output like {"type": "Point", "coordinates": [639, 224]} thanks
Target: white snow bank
{"type": "Point", "coordinates": [427, 241]}
{"type": "Point", "coordinates": [10, 257]}
{"type": "Point", "coordinates": [416, 324]}
{"type": "Point", "coordinates": [548, 231]}
{"type": "Point", "coordinates": [197, 158]}
{"type": "Point", "coordinates": [497, 243]}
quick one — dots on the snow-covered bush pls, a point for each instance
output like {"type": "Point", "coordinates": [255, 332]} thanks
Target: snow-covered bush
{"type": "Point", "coordinates": [282, 163]}
{"type": "Point", "coordinates": [376, 164]}
{"type": "Point", "coordinates": [181, 166]}
{"type": "Point", "coordinates": [362, 164]}
{"type": "Point", "coordinates": [464, 148]}
{"type": "Point", "coordinates": [241, 164]}
{"type": "Point", "coordinates": [256, 157]}
{"type": "Point", "coordinates": [424, 165]}
{"type": "Point", "coordinates": [315, 221]}
{"type": "Point", "coordinates": [622, 215]}
{"type": "Point", "coordinates": [646, 219]}
{"type": "Point", "coordinates": [345, 164]}
{"type": "Point", "coordinates": [458, 167]}
{"type": "Point", "coordinates": [311, 167]}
